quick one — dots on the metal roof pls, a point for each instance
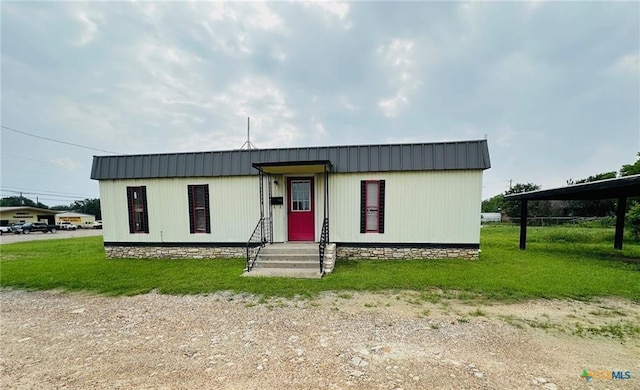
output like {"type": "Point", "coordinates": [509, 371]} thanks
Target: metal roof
{"type": "Point", "coordinates": [357, 158]}
{"type": "Point", "coordinates": [620, 187]}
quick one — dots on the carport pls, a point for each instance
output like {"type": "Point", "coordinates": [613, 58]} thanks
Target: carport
{"type": "Point", "coordinates": [620, 188]}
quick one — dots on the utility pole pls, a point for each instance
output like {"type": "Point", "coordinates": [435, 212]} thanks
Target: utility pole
{"type": "Point", "coordinates": [510, 183]}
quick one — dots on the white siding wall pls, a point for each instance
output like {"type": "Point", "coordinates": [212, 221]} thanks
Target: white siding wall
{"type": "Point", "coordinates": [426, 207]}
{"type": "Point", "coordinates": [234, 209]}
{"type": "Point", "coordinates": [421, 207]}
{"type": "Point", "coordinates": [279, 212]}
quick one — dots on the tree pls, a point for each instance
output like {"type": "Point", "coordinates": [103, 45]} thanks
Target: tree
{"type": "Point", "coordinates": [596, 177]}
{"type": "Point", "coordinates": [16, 201]}
{"type": "Point", "coordinates": [631, 169]}
{"type": "Point", "coordinates": [633, 220]}
{"type": "Point", "coordinates": [592, 208]}
{"type": "Point", "coordinates": [493, 205]}
{"type": "Point", "coordinates": [62, 208]}
{"type": "Point", "coordinates": [88, 206]}
{"type": "Point", "coordinates": [512, 207]}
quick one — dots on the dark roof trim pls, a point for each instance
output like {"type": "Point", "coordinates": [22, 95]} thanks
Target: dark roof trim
{"type": "Point", "coordinates": [291, 163]}
{"type": "Point", "coordinates": [358, 158]}
{"type": "Point", "coordinates": [619, 187]}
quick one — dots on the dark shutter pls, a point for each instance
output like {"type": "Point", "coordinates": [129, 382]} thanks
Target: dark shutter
{"type": "Point", "coordinates": [206, 207]}
{"type": "Point", "coordinates": [363, 206]}
{"type": "Point", "coordinates": [381, 208]}
{"type": "Point", "coordinates": [192, 189]}
{"type": "Point", "coordinates": [145, 214]}
{"type": "Point", "coordinates": [130, 207]}
{"type": "Point", "coordinates": [192, 214]}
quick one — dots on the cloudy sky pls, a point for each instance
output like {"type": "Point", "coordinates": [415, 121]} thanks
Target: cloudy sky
{"type": "Point", "coordinates": [554, 87]}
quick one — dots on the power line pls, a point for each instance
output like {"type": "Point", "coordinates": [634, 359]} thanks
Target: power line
{"type": "Point", "coordinates": [55, 140]}
{"type": "Point", "coordinates": [29, 159]}
{"type": "Point", "coordinates": [13, 194]}
{"type": "Point", "coordinates": [42, 192]}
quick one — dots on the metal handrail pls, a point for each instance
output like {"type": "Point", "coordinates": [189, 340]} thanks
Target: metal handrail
{"type": "Point", "coordinates": [257, 241]}
{"type": "Point", "coordinates": [324, 237]}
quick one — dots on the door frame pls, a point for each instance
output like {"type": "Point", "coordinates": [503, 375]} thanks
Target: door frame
{"type": "Point", "coordinates": [287, 198]}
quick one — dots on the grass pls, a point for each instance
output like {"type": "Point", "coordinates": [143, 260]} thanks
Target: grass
{"type": "Point", "coordinates": [560, 262]}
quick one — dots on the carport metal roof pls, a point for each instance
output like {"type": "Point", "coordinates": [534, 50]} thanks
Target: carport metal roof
{"type": "Point", "coordinates": [619, 188]}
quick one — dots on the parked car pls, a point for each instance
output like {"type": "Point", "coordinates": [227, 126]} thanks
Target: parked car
{"type": "Point", "coordinates": [16, 228]}
{"type": "Point", "coordinates": [5, 229]}
{"type": "Point", "coordinates": [38, 227]}
{"type": "Point", "coordinates": [97, 224]}
{"type": "Point", "coordinates": [86, 225]}
{"type": "Point", "coordinates": [67, 226]}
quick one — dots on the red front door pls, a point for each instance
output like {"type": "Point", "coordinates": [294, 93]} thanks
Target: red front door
{"type": "Point", "coordinates": [300, 209]}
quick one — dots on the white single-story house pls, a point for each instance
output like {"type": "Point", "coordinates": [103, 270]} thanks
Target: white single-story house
{"type": "Point", "coordinates": [419, 200]}
{"type": "Point", "coordinates": [81, 219]}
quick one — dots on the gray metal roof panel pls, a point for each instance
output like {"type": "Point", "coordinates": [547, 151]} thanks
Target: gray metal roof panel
{"type": "Point", "coordinates": [354, 158]}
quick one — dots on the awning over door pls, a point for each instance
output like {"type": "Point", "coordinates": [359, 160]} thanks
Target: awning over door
{"type": "Point", "coordinates": [276, 168]}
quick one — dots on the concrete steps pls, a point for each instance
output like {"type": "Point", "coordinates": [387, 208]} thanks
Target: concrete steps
{"type": "Point", "coordinates": [295, 260]}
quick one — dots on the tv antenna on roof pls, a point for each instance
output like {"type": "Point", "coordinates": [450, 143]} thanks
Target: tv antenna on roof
{"type": "Point", "coordinates": [247, 144]}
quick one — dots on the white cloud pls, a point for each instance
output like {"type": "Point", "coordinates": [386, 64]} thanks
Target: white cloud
{"type": "Point", "coordinates": [399, 59]}
{"type": "Point", "coordinates": [393, 106]}
{"type": "Point", "coordinates": [66, 162]}
{"type": "Point", "coordinates": [256, 15]}
{"type": "Point", "coordinates": [335, 9]}
{"type": "Point", "coordinates": [319, 131]}
{"type": "Point", "coordinates": [272, 120]}
{"type": "Point", "coordinates": [262, 17]}
{"type": "Point", "coordinates": [279, 55]}
{"type": "Point", "coordinates": [505, 136]}
{"type": "Point", "coordinates": [90, 29]}
{"type": "Point", "coordinates": [533, 5]}
{"type": "Point", "coordinates": [346, 103]}
{"type": "Point", "coordinates": [628, 65]}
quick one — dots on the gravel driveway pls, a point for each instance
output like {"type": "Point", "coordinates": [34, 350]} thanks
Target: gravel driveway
{"type": "Point", "coordinates": [53, 340]}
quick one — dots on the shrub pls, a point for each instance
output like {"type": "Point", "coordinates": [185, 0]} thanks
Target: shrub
{"type": "Point", "coordinates": [633, 220]}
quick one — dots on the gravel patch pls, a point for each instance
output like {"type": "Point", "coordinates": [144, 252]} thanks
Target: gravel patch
{"type": "Point", "coordinates": [384, 341]}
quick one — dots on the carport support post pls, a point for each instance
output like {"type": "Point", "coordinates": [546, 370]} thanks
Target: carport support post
{"type": "Point", "coordinates": [523, 224]}
{"type": "Point", "coordinates": [620, 211]}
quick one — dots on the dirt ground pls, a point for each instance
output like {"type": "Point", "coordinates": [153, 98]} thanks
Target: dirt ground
{"type": "Point", "coordinates": [391, 340]}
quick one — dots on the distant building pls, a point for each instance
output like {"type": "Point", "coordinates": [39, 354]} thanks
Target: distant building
{"type": "Point", "coordinates": [490, 217]}
{"type": "Point", "coordinates": [80, 219]}
{"type": "Point", "coordinates": [24, 214]}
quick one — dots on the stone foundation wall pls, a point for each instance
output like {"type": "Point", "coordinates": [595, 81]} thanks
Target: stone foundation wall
{"type": "Point", "coordinates": [331, 253]}
{"type": "Point", "coordinates": [158, 252]}
{"type": "Point", "coordinates": [407, 253]}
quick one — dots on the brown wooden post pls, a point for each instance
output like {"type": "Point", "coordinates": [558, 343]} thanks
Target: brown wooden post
{"type": "Point", "coordinates": [523, 224]}
{"type": "Point", "coordinates": [620, 211]}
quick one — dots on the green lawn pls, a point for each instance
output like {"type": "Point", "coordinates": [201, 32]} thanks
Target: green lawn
{"type": "Point", "coordinates": [560, 262]}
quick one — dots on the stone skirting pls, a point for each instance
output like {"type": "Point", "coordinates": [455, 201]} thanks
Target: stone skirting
{"type": "Point", "coordinates": [332, 252]}
{"type": "Point", "coordinates": [349, 252]}
{"type": "Point", "coordinates": [159, 252]}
